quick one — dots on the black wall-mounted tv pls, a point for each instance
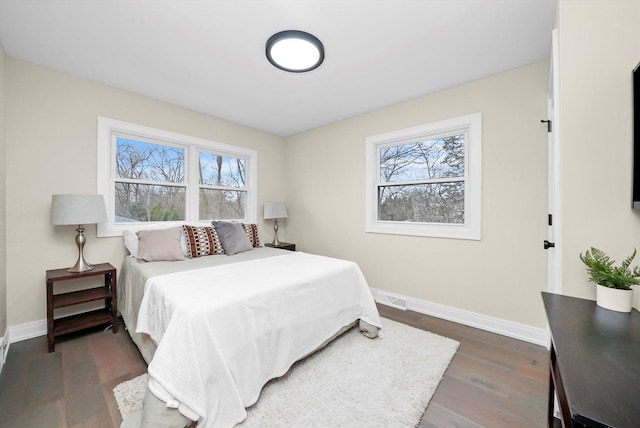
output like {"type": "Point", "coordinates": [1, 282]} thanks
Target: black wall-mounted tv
{"type": "Point", "coordinates": [636, 137]}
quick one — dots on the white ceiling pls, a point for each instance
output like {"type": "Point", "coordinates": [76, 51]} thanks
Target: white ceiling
{"type": "Point", "coordinates": [209, 56]}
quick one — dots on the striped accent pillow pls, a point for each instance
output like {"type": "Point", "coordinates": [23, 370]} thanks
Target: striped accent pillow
{"type": "Point", "coordinates": [252, 232]}
{"type": "Point", "coordinates": [202, 241]}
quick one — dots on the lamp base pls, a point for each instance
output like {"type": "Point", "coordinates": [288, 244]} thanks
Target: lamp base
{"type": "Point", "coordinates": [275, 241]}
{"type": "Point", "coordinates": [81, 265]}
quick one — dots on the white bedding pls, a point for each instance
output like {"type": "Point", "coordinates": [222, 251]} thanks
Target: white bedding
{"type": "Point", "coordinates": [223, 332]}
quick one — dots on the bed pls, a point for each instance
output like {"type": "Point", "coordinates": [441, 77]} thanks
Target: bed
{"type": "Point", "coordinates": [215, 329]}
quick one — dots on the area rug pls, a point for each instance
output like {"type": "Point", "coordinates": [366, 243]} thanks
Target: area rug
{"type": "Point", "coordinates": [353, 382]}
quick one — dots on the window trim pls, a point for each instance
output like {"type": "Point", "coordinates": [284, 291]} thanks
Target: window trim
{"type": "Point", "coordinates": [106, 171]}
{"type": "Point", "coordinates": [471, 229]}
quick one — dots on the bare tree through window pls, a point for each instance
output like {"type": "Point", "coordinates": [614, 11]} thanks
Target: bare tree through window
{"type": "Point", "coordinates": [222, 186]}
{"type": "Point", "coordinates": [423, 181]}
{"type": "Point", "coordinates": [150, 182]}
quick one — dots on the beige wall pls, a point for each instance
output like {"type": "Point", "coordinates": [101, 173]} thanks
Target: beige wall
{"type": "Point", "coordinates": [51, 121]}
{"type": "Point", "coordinates": [3, 240]}
{"type": "Point", "coordinates": [501, 275]}
{"type": "Point", "coordinates": [599, 45]}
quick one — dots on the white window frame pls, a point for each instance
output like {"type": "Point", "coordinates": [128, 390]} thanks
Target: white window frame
{"type": "Point", "coordinates": [106, 170]}
{"type": "Point", "coordinates": [471, 125]}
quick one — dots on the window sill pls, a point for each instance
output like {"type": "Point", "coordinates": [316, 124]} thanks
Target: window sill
{"type": "Point", "coordinates": [449, 231]}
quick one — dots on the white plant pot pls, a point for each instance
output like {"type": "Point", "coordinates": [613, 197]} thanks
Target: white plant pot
{"type": "Point", "coordinates": [636, 297]}
{"type": "Point", "coordinates": [614, 299]}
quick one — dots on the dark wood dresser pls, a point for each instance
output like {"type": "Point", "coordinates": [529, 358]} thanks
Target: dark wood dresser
{"type": "Point", "coordinates": [595, 363]}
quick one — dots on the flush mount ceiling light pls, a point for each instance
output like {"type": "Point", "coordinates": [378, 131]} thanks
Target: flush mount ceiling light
{"type": "Point", "coordinates": [295, 51]}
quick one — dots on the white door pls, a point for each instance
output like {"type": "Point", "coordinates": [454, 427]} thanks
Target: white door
{"type": "Point", "coordinates": [553, 180]}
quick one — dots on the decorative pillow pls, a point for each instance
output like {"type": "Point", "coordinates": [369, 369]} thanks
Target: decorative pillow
{"type": "Point", "coordinates": [252, 232]}
{"type": "Point", "coordinates": [130, 237]}
{"type": "Point", "coordinates": [160, 245]}
{"type": "Point", "coordinates": [233, 237]}
{"type": "Point", "coordinates": [202, 241]}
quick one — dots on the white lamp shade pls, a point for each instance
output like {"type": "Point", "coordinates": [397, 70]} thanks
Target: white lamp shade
{"type": "Point", "coordinates": [78, 209]}
{"type": "Point", "coordinates": [275, 210]}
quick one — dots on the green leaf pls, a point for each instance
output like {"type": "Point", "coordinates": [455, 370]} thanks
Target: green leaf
{"type": "Point", "coordinates": [602, 271]}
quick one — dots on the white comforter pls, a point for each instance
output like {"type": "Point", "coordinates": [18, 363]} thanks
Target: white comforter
{"type": "Point", "coordinates": [223, 332]}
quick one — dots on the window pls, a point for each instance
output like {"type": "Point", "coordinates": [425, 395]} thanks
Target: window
{"type": "Point", "coordinates": [149, 184]}
{"type": "Point", "coordinates": [150, 176]}
{"type": "Point", "coordinates": [425, 181]}
{"type": "Point", "coordinates": [222, 188]}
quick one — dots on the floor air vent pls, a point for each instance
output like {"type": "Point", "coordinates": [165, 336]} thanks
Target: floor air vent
{"type": "Point", "coordinates": [396, 302]}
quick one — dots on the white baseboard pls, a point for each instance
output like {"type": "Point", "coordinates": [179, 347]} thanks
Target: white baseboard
{"type": "Point", "coordinates": [32, 329]}
{"type": "Point", "coordinates": [28, 330]}
{"type": "Point", "coordinates": [4, 348]}
{"type": "Point", "coordinates": [538, 336]}
{"type": "Point", "coordinates": [18, 333]}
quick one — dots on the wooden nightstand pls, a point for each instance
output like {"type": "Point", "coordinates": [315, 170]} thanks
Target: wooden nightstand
{"type": "Point", "coordinates": [283, 245]}
{"type": "Point", "coordinates": [69, 324]}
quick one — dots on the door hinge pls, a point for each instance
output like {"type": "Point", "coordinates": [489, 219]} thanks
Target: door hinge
{"type": "Point", "coordinates": [548, 244]}
{"type": "Point", "coordinates": [550, 219]}
{"type": "Point", "coordinates": [548, 122]}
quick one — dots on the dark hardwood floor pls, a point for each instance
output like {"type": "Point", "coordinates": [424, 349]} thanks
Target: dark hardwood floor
{"type": "Point", "coordinates": [493, 381]}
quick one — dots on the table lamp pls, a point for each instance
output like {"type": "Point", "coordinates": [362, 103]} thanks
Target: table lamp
{"type": "Point", "coordinates": [275, 210]}
{"type": "Point", "coordinates": [78, 210]}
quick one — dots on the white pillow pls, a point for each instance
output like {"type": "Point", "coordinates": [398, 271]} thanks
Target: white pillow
{"type": "Point", "coordinates": [130, 238]}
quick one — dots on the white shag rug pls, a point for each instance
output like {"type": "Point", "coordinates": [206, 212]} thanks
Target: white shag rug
{"type": "Point", "coordinates": [353, 382]}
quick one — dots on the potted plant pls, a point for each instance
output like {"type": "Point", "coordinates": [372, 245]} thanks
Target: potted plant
{"type": "Point", "coordinates": [614, 282]}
